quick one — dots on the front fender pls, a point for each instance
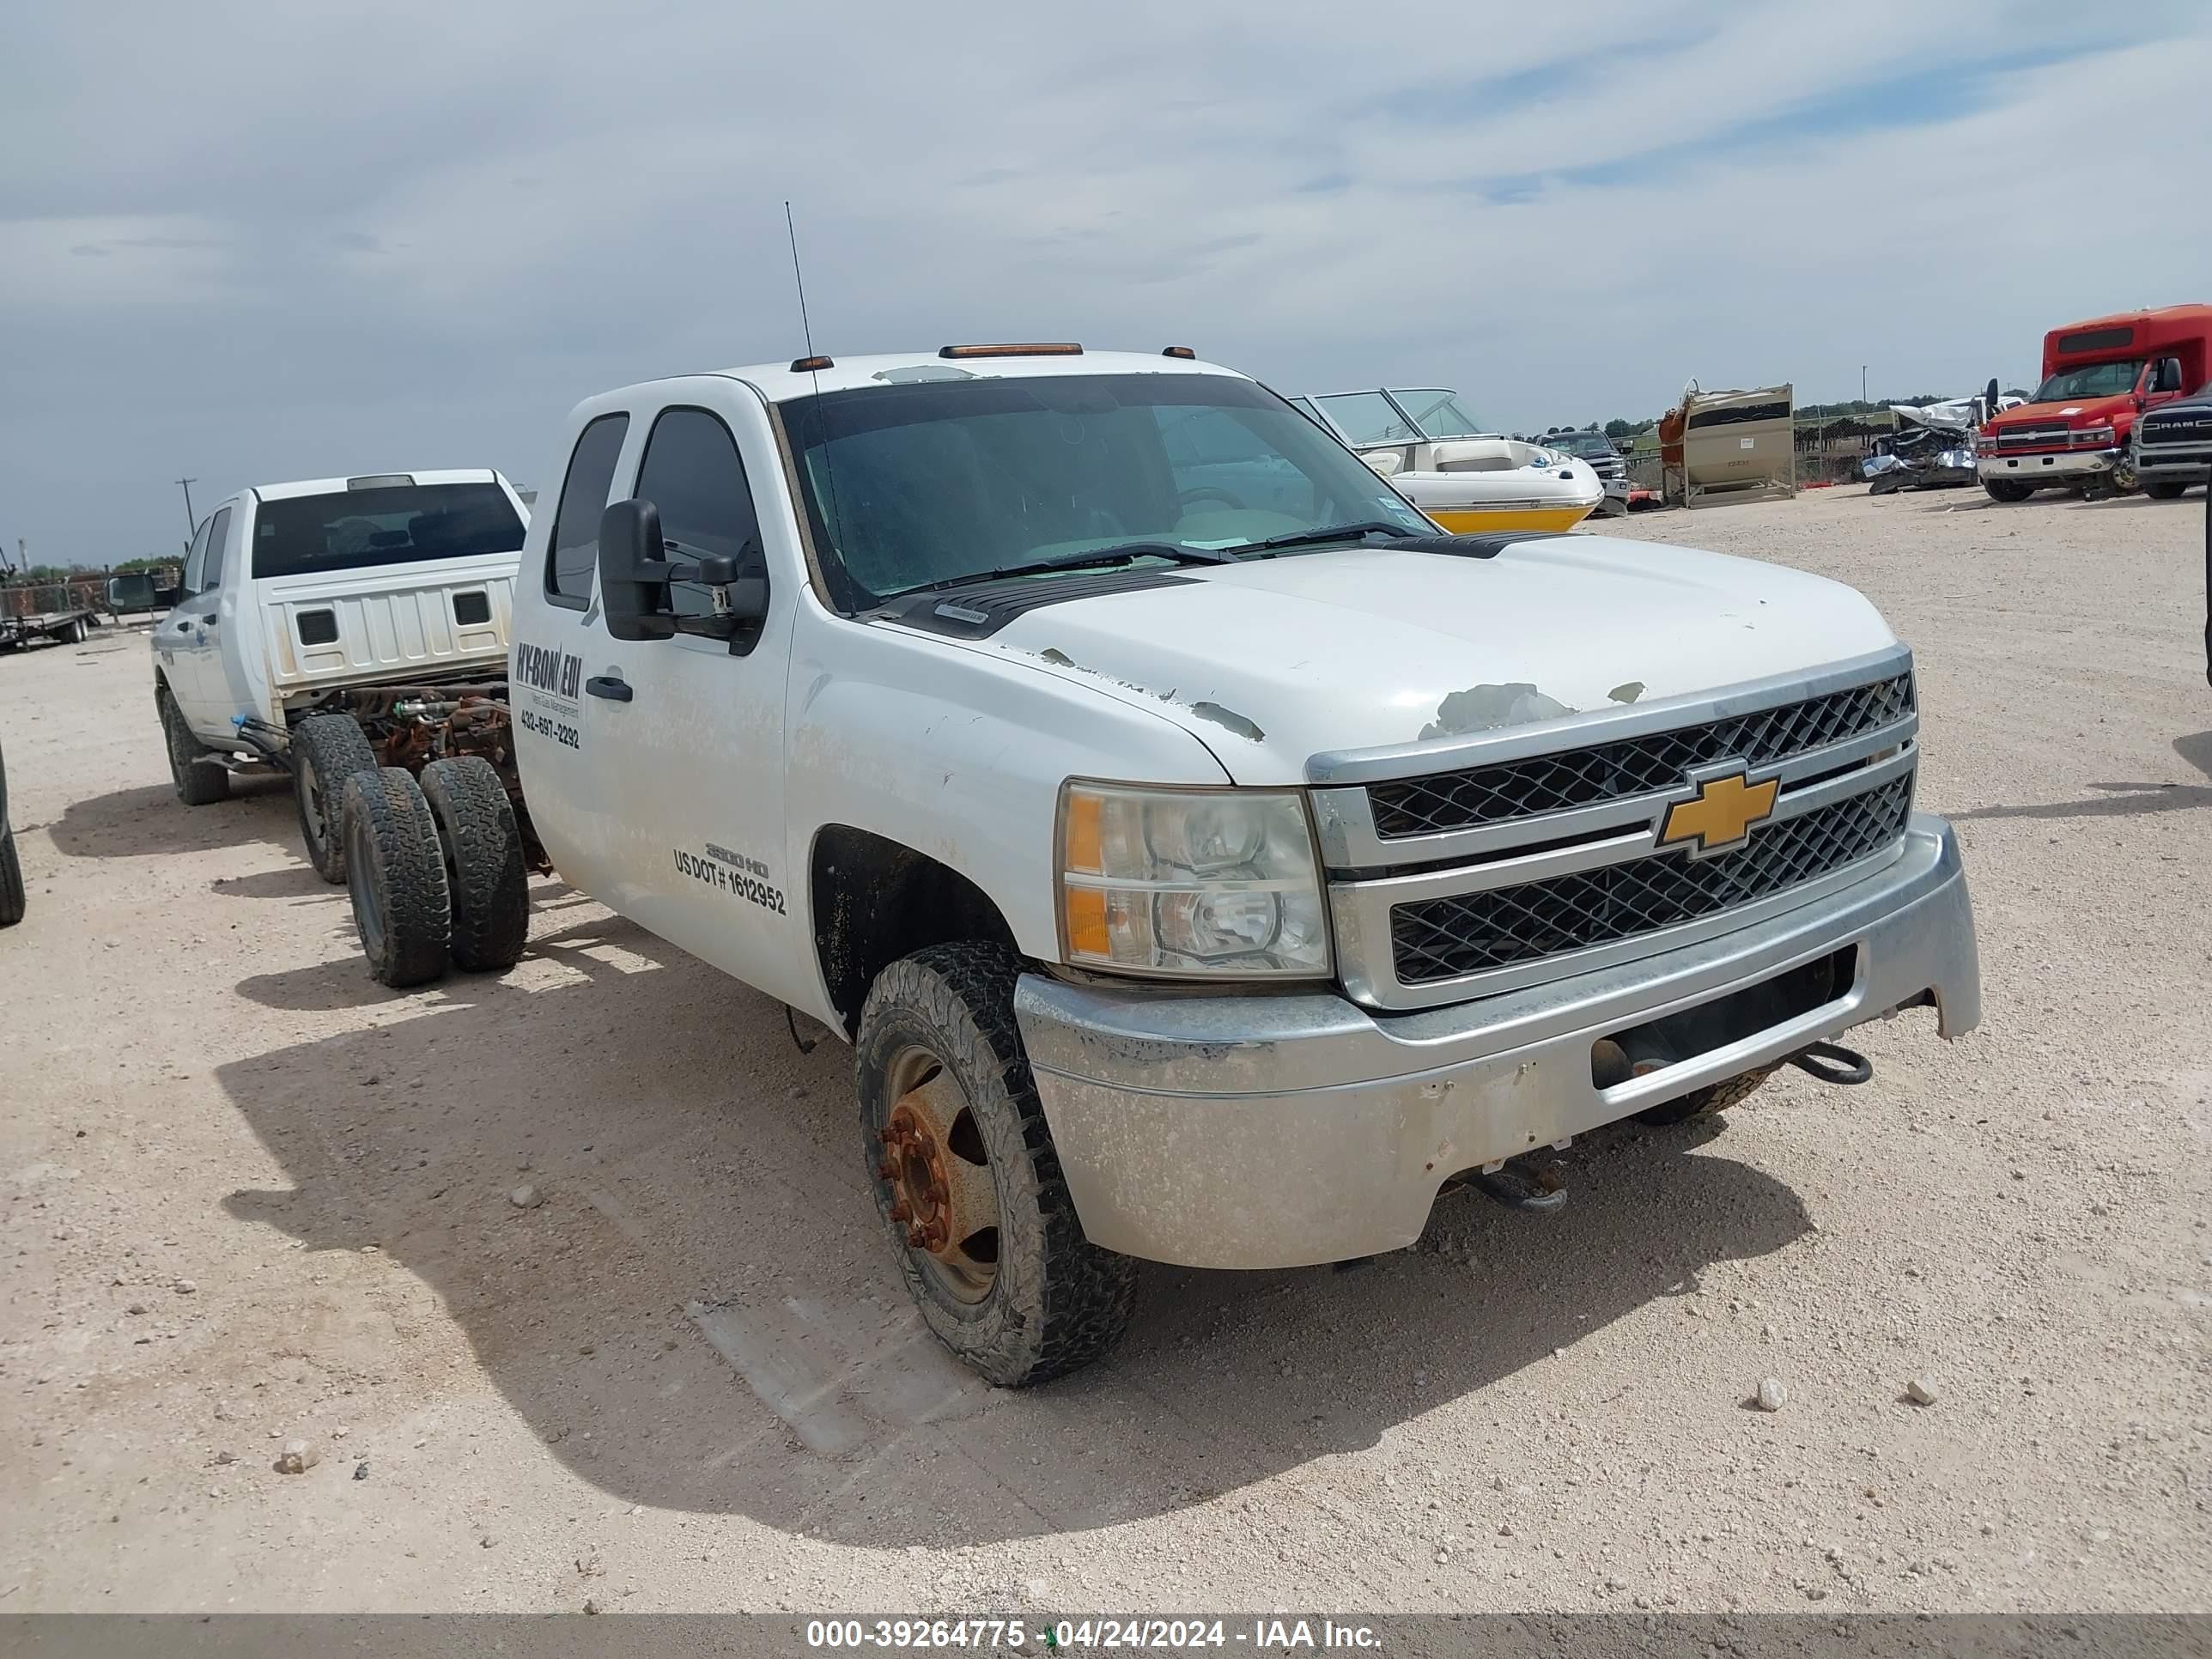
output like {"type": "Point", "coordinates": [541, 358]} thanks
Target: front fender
{"type": "Point", "coordinates": [959, 755]}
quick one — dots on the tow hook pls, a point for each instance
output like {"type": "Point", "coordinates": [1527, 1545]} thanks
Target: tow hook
{"type": "Point", "coordinates": [1831, 1062]}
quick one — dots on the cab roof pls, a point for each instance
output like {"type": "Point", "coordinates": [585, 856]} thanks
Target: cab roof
{"type": "Point", "coordinates": [779, 383]}
{"type": "Point", "coordinates": [278, 492]}
{"type": "Point", "coordinates": [2199, 314]}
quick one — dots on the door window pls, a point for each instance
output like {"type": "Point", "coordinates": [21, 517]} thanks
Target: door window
{"type": "Point", "coordinates": [575, 551]}
{"type": "Point", "coordinates": [218, 533]}
{"type": "Point", "coordinates": [692, 473]}
{"type": "Point", "coordinates": [196, 558]}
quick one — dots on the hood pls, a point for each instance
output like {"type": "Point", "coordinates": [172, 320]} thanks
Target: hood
{"type": "Point", "coordinates": [2075, 411]}
{"type": "Point", "coordinates": [2195, 404]}
{"type": "Point", "coordinates": [1272, 662]}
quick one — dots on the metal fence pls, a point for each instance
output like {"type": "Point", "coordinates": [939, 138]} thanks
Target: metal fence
{"type": "Point", "coordinates": [83, 590]}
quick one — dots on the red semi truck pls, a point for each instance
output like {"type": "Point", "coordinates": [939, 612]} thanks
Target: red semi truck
{"type": "Point", "coordinates": [2097, 376]}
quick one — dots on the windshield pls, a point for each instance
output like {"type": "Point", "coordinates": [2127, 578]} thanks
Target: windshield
{"type": "Point", "coordinates": [1440, 414]}
{"type": "Point", "coordinates": [401, 524]}
{"type": "Point", "coordinates": [2090, 380]}
{"type": "Point", "coordinates": [1585, 444]}
{"type": "Point", "coordinates": [912, 485]}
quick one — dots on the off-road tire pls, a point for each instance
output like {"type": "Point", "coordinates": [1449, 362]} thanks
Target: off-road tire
{"type": "Point", "coordinates": [13, 895]}
{"type": "Point", "coordinates": [490, 889]}
{"type": "Point", "coordinates": [326, 751]}
{"type": "Point", "coordinates": [2164, 489]}
{"type": "Point", "coordinates": [396, 873]}
{"type": "Point", "coordinates": [1057, 1300]}
{"type": "Point", "coordinates": [2008, 490]}
{"type": "Point", "coordinates": [1708, 1101]}
{"type": "Point", "coordinates": [199, 781]}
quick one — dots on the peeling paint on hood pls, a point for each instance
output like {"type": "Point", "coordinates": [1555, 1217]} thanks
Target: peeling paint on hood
{"type": "Point", "coordinates": [1487, 707]}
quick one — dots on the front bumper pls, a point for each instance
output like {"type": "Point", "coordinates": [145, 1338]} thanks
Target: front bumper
{"type": "Point", "coordinates": [1282, 1131]}
{"type": "Point", "coordinates": [2173, 464]}
{"type": "Point", "coordinates": [2056, 467]}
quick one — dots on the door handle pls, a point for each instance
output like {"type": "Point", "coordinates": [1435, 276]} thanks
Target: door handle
{"type": "Point", "coordinates": [612, 687]}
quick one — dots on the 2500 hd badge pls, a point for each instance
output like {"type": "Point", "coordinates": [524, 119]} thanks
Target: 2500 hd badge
{"type": "Point", "coordinates": [724, 879]}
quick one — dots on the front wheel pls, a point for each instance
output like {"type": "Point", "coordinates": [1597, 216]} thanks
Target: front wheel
{"type": "Point", "coordinates": [198, 780]}
{"type": "Point", "coordinates": [2164, 489]}
{"type": "Point", "coordinates": [966, 1177]}
{"type": "Point", "coordinates": [2007, 489]}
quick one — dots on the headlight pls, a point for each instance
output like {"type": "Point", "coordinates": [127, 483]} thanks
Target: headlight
{"type": "Point", "coordinates": [1190, 882]}
{"type": "Point", "coordinates": [2093, 437]}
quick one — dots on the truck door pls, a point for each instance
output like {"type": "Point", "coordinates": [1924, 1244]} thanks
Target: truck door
{"type": "Point", "coordinates": [174, 632]}
{"type": "Point", "coordinates": [695, 737]}
{"type": "Point", "coordinates": [559, 643]}
{"type": "Point", "coordinates": [194, 633]}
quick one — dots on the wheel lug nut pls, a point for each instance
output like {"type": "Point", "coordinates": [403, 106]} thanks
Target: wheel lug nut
{"type": "Point", "coordinates": [900, 1212]}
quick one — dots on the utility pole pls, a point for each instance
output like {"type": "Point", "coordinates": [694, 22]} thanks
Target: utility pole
{"type": "Point", "coordinates": [1862, 382]}
{"type": "Point", "coordinates": [191, 523]}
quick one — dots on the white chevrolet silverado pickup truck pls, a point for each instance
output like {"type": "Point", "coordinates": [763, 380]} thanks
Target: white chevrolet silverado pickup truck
{"type": "Point", "coordinates": [314, 615]}
{"type": "Point", "coordinates": [1207, 859]}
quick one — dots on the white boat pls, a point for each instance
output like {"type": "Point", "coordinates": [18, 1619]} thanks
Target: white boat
{"type": "Point", "coordinates": [1440, 458]}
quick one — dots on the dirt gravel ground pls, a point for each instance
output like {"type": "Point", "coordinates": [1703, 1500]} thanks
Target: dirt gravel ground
{"type": "Point", "coordinates": [253, 1197]}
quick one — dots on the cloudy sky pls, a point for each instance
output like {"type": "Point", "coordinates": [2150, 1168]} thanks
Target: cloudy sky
{"type": "Point", "coordinates": [250, 242]}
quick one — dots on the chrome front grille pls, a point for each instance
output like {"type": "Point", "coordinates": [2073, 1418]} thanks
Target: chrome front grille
{"type": "Point", "coordinates": [1633, 765]}
{"type": "Point", "coordinates": [2035, 437]}
{"type": "Point", "coordinates": [1504, 926]}
{"type": "Point", "coordinates": [1506, 858]}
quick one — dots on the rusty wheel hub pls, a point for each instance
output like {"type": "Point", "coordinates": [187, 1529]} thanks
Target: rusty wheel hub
{"type": "Point", "coordinates": [941, 1191]}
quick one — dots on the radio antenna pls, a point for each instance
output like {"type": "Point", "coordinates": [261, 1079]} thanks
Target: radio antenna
{"type": "Point", "coordinates": [798, 281]}
{"type": "Point", "coordinates": [814, 370]}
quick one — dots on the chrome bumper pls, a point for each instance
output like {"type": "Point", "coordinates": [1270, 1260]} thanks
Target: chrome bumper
{"type": "Point", "coordinates": [2034, 467]}
{"type": "Point", "coordinates": [1280, 1131]}
{"type": "Point", "coordinates": [2173, 464]}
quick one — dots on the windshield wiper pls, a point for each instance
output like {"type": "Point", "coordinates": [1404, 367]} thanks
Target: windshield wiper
{"type": "Point", "coordinates": [1122, 553]}
{"type": "Point", "coordinates": [1335, 532]}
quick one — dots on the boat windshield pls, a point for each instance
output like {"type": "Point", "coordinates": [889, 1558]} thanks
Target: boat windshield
{"type": "Point", "coordinates": [1369, 417]}
{"type": "Point", "coordinates": [1440, 414]}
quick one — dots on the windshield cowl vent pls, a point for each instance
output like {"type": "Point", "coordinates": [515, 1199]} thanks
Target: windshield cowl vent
{"type": "Point", "coordinates": [980, 609]}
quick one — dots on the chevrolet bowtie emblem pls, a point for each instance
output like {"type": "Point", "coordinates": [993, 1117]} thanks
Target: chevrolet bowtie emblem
{"type": "Point", "coordinates": [1721, 814]}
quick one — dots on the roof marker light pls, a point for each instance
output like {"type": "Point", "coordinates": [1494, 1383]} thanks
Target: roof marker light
{"type": "Point", "coordinates": [381, 481]}
{"type": "Point", "coordinates": [1183, 352]}
{"type": "Point", "coordinates": [809, 365]}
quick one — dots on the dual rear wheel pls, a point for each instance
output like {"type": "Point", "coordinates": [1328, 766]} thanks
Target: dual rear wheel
{"type": "Point", "coordinates": [434, 870]}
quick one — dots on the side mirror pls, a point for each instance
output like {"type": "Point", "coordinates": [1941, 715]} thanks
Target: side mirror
{"type": "Point", "coordinates": [633, 576]}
